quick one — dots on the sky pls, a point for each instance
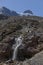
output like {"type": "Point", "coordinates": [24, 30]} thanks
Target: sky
{"type": "Point", "coordinates": [36, 6]}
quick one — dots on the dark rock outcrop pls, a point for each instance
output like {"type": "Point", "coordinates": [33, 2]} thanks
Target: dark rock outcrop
{"type": "Point", "coordinates": [6, 50]}
{"type": "Point", "coordinates": [31, 45]}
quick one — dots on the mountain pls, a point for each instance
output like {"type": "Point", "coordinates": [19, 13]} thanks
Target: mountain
{"type": "Point", "coordinates": [5, 11]}
{"type": "Point", "coordinates": [21, 36]}
{"type": "Point", "coordinates": [28, 12]}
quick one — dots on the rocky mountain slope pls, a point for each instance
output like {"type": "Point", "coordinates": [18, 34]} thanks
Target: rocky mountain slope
{"type": "Point", "coordinates": [5, 11]}
{"type": "Point", "coordinates": [31, 29]}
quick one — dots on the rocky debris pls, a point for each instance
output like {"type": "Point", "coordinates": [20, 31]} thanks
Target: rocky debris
{"type": "Point", "coordinates": [16, 63]}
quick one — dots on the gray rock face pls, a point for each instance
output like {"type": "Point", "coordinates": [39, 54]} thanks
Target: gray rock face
{"type": "Point", "coordinates": [37, 59]}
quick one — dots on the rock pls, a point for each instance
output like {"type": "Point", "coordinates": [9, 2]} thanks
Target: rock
{"type": "Point", "coordinates": [6, 50]}
{"type": "Point", "coordinates": [37, 59]}
{"type": "Point", "coordinates": [29, 47]}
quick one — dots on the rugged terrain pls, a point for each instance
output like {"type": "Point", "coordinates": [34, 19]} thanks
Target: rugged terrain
{"type": "Point", "coordinates": [31, 29]}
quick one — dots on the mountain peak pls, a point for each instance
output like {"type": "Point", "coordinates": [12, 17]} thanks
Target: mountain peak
{"type": "Point", "coordinates": [4, 7]}
{"type": "Point", "coordinates": [28, 11]}
{"type": "Point", "coordinates": [7, 12]}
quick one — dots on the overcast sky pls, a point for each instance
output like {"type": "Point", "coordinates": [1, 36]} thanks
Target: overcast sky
{"type": "Point", "coordinates": [20, 5]}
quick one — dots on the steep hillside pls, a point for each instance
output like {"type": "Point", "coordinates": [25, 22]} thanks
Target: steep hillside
{"type": "Point", "coordinates": [31, 29]}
